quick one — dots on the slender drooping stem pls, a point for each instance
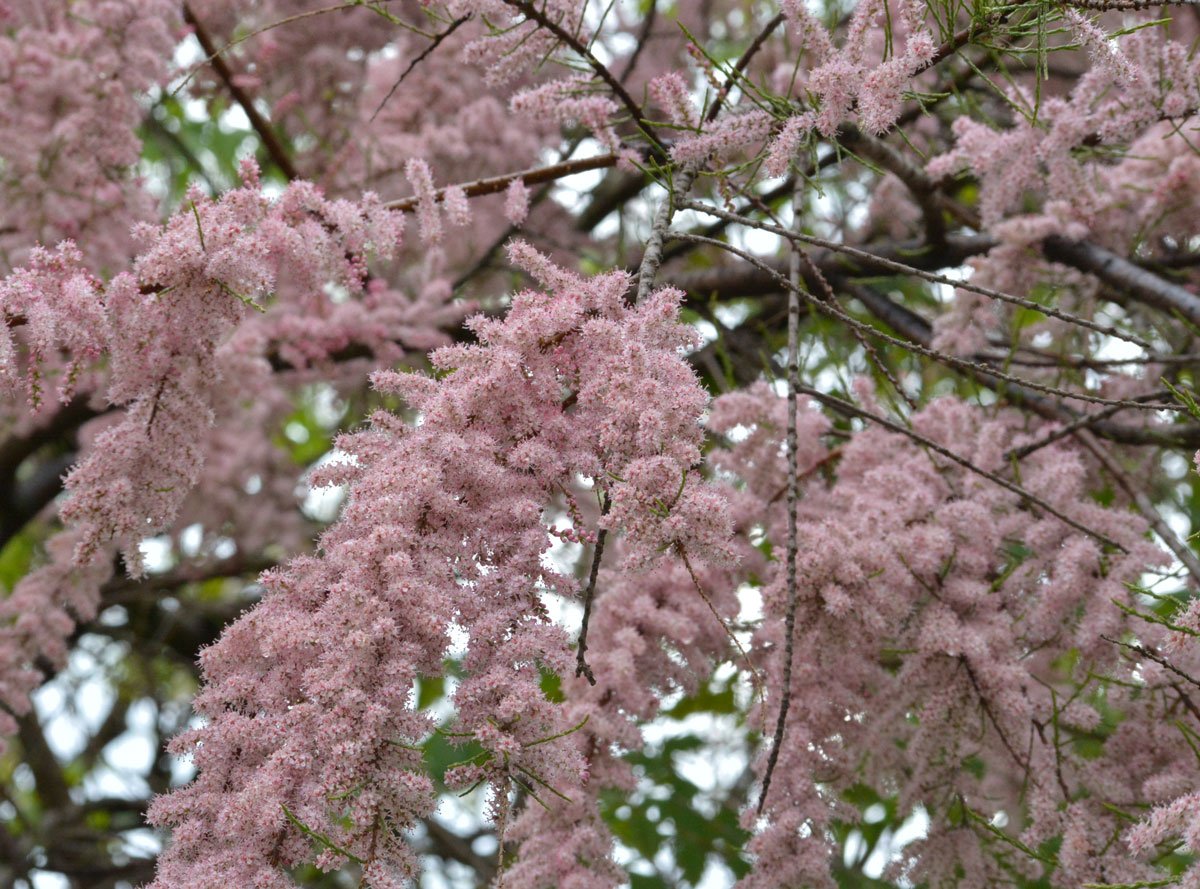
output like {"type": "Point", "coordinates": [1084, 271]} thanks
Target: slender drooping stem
{"type": "Point", "coordinates": [1145, 505]}
{"type": "Point", "coordinates": [793, 495]}
{"type": "Point", "coordinates": [426, 53]}
{"type": "Point", "coordinates": [543, 20]}
{"type": "Point", "coordinates": [582, 667]}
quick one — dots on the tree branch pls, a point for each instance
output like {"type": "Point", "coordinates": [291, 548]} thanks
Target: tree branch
{"type": "Point", "coordinates": [496, 184]}
{"type": "Point", "coordinates": [1125, 276]}
{"type": "Point", "coordinates": [270, 139]}
{"type": "Point", "coordinates": [533, 14]}
{"type": "Point", "coordinates": [793, 497]}
{"type": "Point", "coordinates": [581, 665]}
{"type": "Point", "coordinates": [652, 257]}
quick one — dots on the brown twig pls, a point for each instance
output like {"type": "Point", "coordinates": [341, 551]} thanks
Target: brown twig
{"type": "Point", "coordinates": [426, 53]}
{"type": "Point", "coordinates": [496, 184]}
{"type": "Point", "coordinates": [533, 14]}
{"type": "Point", "coordinates": [757, 679]}
{"type": "Point", "coordinates": [642, 39]}
{"type": "Point", "coordinates": [742, 63]}
{"type": "Point", "coordinates": [1151, 656]}
{"type": "Point", "coordinates": [987, 709]}
{"type": "Point", "coordinates": [971, 367]}
{"type": "Point", "coordinates": [270, 139]}
{"type": "Point", "coordinates": [582, 668]}
{"type": "Point", "coordinates": [793, 497]}
{"type": "Point", "coordinates": [1032, 499]}
{"type": "Point", "coordinates": [1074, 426]}
{"type": "Point", "coordinates": [1144, 504]}
{"type": "Point", "coordinates": [907, 269]}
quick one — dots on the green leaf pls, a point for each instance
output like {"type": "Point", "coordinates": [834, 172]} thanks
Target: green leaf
{"type": "Point", "coordinates": [430, 689]}
{"type": "Point", "coordinates": [16, 558]}
{"type": "Point", "coordinates": [708, 700]}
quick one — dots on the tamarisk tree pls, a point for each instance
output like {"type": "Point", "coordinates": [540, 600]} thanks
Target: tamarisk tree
{"type": "Point", "coordinates": [542, 443]}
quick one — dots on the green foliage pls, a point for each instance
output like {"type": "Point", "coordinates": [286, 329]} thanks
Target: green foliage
{"type": "Point", "coordinates": [184, 146]}
{"type": "Point", "coordinates": [16, 558]}
{"type": "Point", "coordinates": [304, 437]}
{"type": "Point", "coordinates": [670, 812]}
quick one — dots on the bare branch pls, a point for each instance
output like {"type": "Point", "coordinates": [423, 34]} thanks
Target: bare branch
{"type": "Point", "coordinates": [906, 269]}
{"type": "Point", "coordinates": [1123, 275]}
{"type": "Point", "coordinates": [581, 665]}
{"type": "Point", "coordinates": [497, 184]}
{"type": "Point", "coordinates": [653, 256]}
{"type": "Point", "coordinates": [793, 497]}
{"type": "Point", "coordinates": [1144, 504]}
{"type": "Point", "coordinates": [833, 310]}
{"type": "Point", "coordinates": [534, 14]}
{"type": "Point", "coordinates": [270, 139]}
{"type": "Point", "coordinates": [424, 54]}
{"type": "Point", "coordinates": [845, 407]}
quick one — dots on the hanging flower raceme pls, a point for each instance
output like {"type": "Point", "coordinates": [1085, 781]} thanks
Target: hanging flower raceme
{"type": "Point", "coordinates": [980, 648]}
{"type": "Point", "coordinates": [312, 735]}
{"type": "Point", "coordinates": [159, 342]}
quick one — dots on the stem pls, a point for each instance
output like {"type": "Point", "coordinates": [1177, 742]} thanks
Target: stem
{"type": "Point", "coordinates": [581, 665]}
{"type": "Point", "coordinates": [1144, 504]}
{"type": "Point", "coordinates": [270, 139]}
{"type": "Point", "coordinates": [653, 257]}
{"type": "Point", "coordinates": [793, 496]}
{"type": "Point", "coordinates": [426, 53]}
{"type": "Point", "coordinates": [601, 70]}
{"type": "Point", "coordinates": [740, 67]}
{"type": "Point", "coordinates": [496, 184]}
{"type": "Point", "coordinates": [853, 410]}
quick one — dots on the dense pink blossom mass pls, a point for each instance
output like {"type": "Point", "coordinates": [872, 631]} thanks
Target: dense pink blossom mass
{"type": "Point", "coordinates": [544, 443]}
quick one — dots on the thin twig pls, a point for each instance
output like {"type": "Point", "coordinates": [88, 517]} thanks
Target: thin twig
{"type": "Point", "coordinates": [1032, 499]}
{"type": "Point", "coordinates": [835, 311]}
{"type": "Point", "coordinates": [742, 63]}
{"type": "Point", "coordinates": [983, 702]}
{"type": "Point", "coordinates": [859, 335]}
{"type": "Point", "coordinates": [581, 665]}
{"type": "Point", "coordinates": [270, 139]}
{"type": "Point", "coordinates": [1145, 652]}
{"type": "Point", "coordinates": [1144, 504]}
{"type": "Point", "coordinates": [757, 679]}
{"type": "Point", "coordinates": [793, 497]}
{"type": "Point", "coordinates": [1062, 432]}
{"type": "Point", "coordinates": [426, 53]}
{"type": "Point", "coordinates": [891, 265]}
{"type": "Point", "coordinates": [533, 14]}
{"type": "Point", "coordinates": [496, 184]}
{"type": "Point", "coordinates": [643, 38]}
{"type": "Point", "coordinates": [278, 23]}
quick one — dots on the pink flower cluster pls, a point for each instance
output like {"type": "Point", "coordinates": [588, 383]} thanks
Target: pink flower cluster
{"type": "Point", "coordinates": [1130, 88]}
{"type": "Point", "coordinates": [974, 650]}
{"type": "Point", "coordinates": [308, 696]}
{"type": "Point", "coordinates": [837, 85]}
{"type": "Point", "coordinates": [70, 79]}
{"type": "Point", "coordinates": [1053, 172]}
{"type": "Point", "coordinates": [171, 333]}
